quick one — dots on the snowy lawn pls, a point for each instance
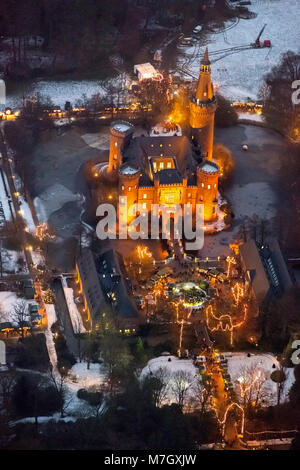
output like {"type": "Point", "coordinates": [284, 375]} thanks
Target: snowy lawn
{"type": "Point", "coordinates": [82, 377]}
{"type": "Point", "coordinates": [258, 369]}
{"type": "Point", "coordinates": [7, 302]}
{"type": "Point", "coordinates": [170, 366]}
{"type": "Point", "coordinates": [240, 75]}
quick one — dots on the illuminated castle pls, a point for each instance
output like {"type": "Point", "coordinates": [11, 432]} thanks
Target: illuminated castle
{"type": "Point", "coordinates": [170, 169]}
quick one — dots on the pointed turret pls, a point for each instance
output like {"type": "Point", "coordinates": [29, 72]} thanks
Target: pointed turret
{"type": "Point", "coordinates": [202, 110]}
{"type": "Point", "coordinates": [204, 90]}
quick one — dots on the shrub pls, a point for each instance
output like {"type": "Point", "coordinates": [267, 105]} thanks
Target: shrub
{"type": "Point", "coordinates": [32, 352]}
{"type": "Point", "coordinates": [225, 115]}
{"type": "Point", "coordinates": [33, 397]}
{"type": "Point", "coordinates": [65, 359]}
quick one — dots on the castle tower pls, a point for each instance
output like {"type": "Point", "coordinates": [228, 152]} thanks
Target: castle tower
{"type": "Point", "coordinates": [203, 106]}
{"type": "Point", "coordinates": [120, 135]}
{"type": "Point", "coordinates": [207, 182]}
{"type": "Point", "coordinates": [129, 177]}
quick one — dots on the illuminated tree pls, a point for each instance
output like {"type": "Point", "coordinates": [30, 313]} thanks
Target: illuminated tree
{"type": "Point", "coordinates": [49, 297]}
{"type": "Point", "coordinates": [180, 383]}
{"type": "Point", "coordinates": [223, 157]}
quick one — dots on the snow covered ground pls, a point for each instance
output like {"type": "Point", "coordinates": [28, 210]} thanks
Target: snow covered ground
{"type": "Point", "coordinates": [172, 365]}
{"type": "Point", "coordinates": [7, 302]}
{"type": "Point", "coordinates": [242, 368]}
{"type": "Point", "coordinates": [72, 307]}
{"type": "Point", "coordinates": [51, 318]}
{"type": "Point", "coordinates": [5, 213]}
{"type": "Point", "coordinates": [26, 214]}
{"type": "Point", "coordinates": [82, 377]}
{"type": "Point", "coordinates": [240, 75]}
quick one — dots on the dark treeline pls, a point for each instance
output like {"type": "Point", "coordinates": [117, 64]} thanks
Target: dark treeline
{"type": "Point", "coordinates": [88, 31]}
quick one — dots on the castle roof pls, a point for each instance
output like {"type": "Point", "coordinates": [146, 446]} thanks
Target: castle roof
{"type": "Point", "coordinates": [209, 167]}
{"type": "Point", "coordinates": [142, 148]}
{"type": "Point", "coordinates": [169, 176]}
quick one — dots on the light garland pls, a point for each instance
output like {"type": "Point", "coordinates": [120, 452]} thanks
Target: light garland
{"type": "Point", "coordinates": [238, 292]}
{"type": "Point", "coordinates": [230, 260]}
{"type": "Point", "coordinates": [229, 325]}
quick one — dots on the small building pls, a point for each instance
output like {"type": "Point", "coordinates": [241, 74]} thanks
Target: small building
{"type": "Point", "coordinates": [145, 71]}
{"type": "Point", "coordinates": [103, 284]}
{"type": "Point", "coordinates": [90, 288]}
{"type": "Point", "coordinates": [265, 269]}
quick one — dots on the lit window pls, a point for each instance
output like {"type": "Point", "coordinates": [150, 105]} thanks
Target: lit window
{"type": "Point", "coordinates": [144, 205]}
{"type": "Point", "coordinates": [154, 165]}
{"type": "Point", "coordinates": [160, 145]}
{"type": "Point", "coordinates": [161, 154]}
{"type": "Point", "coordinates": [161, 165]}
{"type": "Point", "coordinates": [116, 144]}
{"type": "Point", "coordinates": [189, 194]}
{"type": "Point", "coordinates": [145, 196]}
{"type": "Point", "coordinates": [208, 186]}
{"type": "Point", "coordinates": [189, 204]}
{"type": "Point", "coordinates": [215, 185]}
{"type": "Point", "coordinates": [123, 187]}
{"type": "Point", "coordinates": [115, 156]}
{"type": "Point", "coordinates": [129, 188]}
{"type": "Point", "coordinates": [169, 165]}
{"type": "Point", "coordinates": [202, 185]}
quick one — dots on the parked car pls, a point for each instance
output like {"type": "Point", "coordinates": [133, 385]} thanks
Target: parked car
{"type": "Point", "coordinates": [197, 30]}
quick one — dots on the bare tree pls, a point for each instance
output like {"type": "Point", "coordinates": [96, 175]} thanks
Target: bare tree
{"type": "Point", "coordinates": [202, 392]}
{"type": "Point", "coordinates": [20, 315]}
{"type": "Point", "coordinates": [59, 383]}
{"type": "Point", "coordinates": [7, 382]}
{"type": "Point", "coordinates": [252, 386]}
{"type": "Point", "coordinates": [181, 382]}
{"type": "Point", "coordinates": [281, 382]}
{"type": "Point", "coordinates": [159, 382]}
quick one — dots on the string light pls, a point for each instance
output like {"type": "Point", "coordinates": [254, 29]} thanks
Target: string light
{"type": "Point", "coordinates": [144, 252]}
{"type": "Point", "coordinates": [238, 292]}
{"type": "Point", "coordinates": [224, 318]}
{"type": "Point", "coordinates": [230, 260]}
{"type": "Point", "coordinates": [229, 407]}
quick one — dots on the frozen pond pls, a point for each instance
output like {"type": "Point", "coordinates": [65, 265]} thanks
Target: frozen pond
{"type": "Point", "coordinates": [256, 186]}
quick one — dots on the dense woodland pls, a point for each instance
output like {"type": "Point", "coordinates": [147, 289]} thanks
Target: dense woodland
{"type": "Point", "coordinates": [86, 32]}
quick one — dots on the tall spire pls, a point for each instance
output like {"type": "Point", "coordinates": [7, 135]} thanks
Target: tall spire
{"type": "Point", "coordinates": [204, 90]}
{"type": "Point", "coordinates": [205, 59]}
